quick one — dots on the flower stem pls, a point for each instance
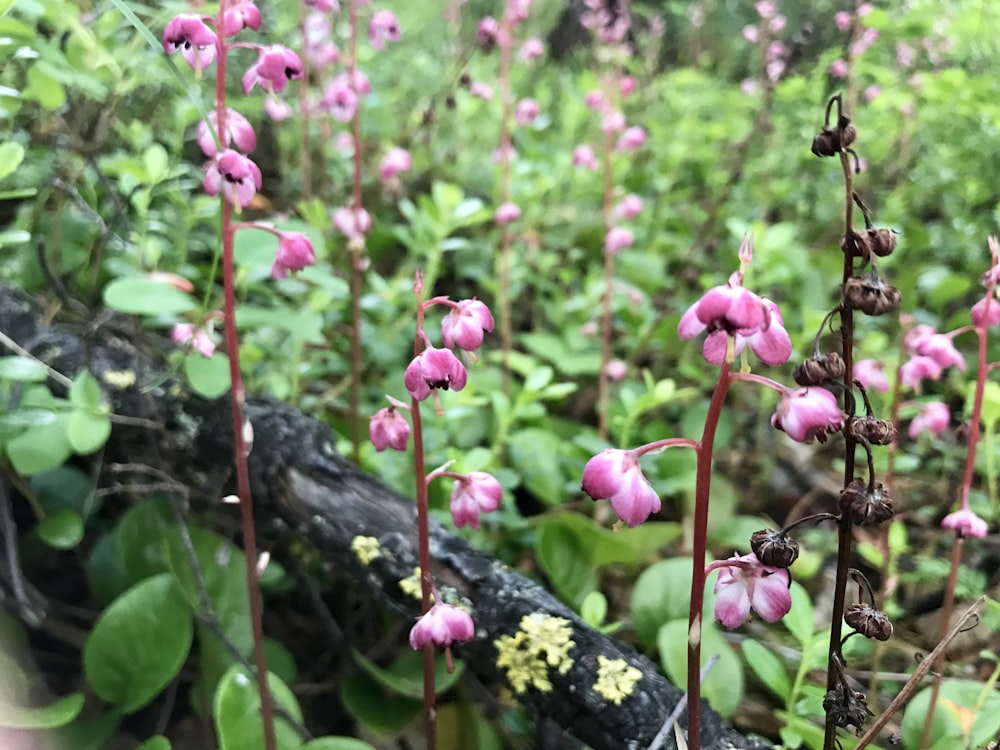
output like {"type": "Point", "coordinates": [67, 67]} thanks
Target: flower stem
{"type": "Point", "coordinates": [506, 326]}
{"type": "Point", "coordinates": [702, 495]}
{"type": "Point", "coordinates": [603, 397]}
{"type": "Point", "coordinates": [357, 248]}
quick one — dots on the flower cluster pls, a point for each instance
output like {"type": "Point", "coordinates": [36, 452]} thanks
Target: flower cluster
{"type": "Point", "coordinates": [775, 53]}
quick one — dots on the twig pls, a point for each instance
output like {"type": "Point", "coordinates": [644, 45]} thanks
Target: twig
{"type": "Point", "coordinates": [661, 736]}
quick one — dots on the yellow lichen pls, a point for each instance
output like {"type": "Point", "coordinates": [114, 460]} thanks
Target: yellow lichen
{"type": "Point", "coordinates": [542, 642]}
{"type": "Point", "coordinates": [411, 585]}
{"type": "Point", "coordinates": [616, 679]}
{"type": "Point", "coordinates": [366, 548]}
{"type": "Point", "coordinates": [120, 379]}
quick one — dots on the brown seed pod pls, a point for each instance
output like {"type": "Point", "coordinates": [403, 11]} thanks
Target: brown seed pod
{"type": "Point", "coordinates": [873, 431]}
{"type": "Point", "coordinates": [819, 370]}
{"type": "Point", "coordinates": [866, 508]}
{"type": "Point", "coordinates": [774, 548]}
{"type": "Point", "coordinates": [870, 295]}
{"type": "Point", "coordinates": [868, 621]}
{"type": "Point", "coordinates": [846, 707]}
{"type": "Point", "coordinates": [883, 241]}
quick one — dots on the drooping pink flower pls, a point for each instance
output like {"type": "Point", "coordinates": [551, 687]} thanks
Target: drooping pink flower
{"type": "Point", "coordinates": [627, 85]}
{"type": "Point", "coordinates": [615, 370]}
{"type": "Point", "coordinates": [473, 494]}
{"type": "Point", "coordinates": [531, 49]}
{"type": "Point", "coordinates": [199, 339]}
{"type": "Point", "coordinates": [324, 5]}
{"type": "Point", "coordinates": [465, 325]}
{"type": "Point", "coordinates": [863, 42]}
{"type": "Point", "coordinates": [526, 112]}
{"type": "Point", "coordinates": [917, 369]}
{"type": "Point", "coordinates": [631, 139]}
{"type": "Point", "coordinates": [629, 207]}
{"type": "Point", "coordinates": [481, 90]}
{"type": "Point", "coordinates": [808, 413]}
{"type": "Point", "coordinates": [295, 252]}
{"type": "Point", "coordinates": [751, 33]}
{"type": "Point", "coordinates": [352, 223]}
{"type": "Point", "coordinates": [843, 20]}
{"type": "Point", "coordinates": [617, 239]}
{"type": "Point", "coordinates": [340, 100]}
{"type": "Point", "coordinates": [746, 583]}
{"type": "Point", "coordinates": [904, 54]}
{"type": "Point", "coordinates": [941, 348]}
{"type": "Point", "coordinates": [766, 8]}
{"type": "Point", "coordinates": [838, 68]}
{"type": "Point", "coordinates": [872, 91]}
{"type": "Point", "coordinates": [507, 213]}
{"type": "Point", "coordinates": [966, 523]}
{"type": "Point", "coordinates": [240, 134]}
{"type": "Point", "coordinates": [933, 418]}
{"type": "Point", "coordinates": [277, 109]}
{"type": "Point", "coordinates": [488, 34]}
{"type": "Point", "coordinates": [198, 43]}
{"type": "Point", "coordinates": [396, 160]}
{"type": "Point", "coordinates": [728, 307]}
{"type": "Point", "coordinates": [433, 369]}
{"type": "Point", "coordinates": [275, 67]}
{"type": "Point", "coordinates": [387, 428]}
{"type": "Point", "coordinates": [240, 15]}
{"type": "Point", "coordinates": [595, 100]}
{"type": "Point", "coordinates": [235, 176]}
{"type": "Point", "coordinates": [616, 475]}
{"type": "Point", "coordinates": [777, 24]}
{"type": "Point", "coordinates": [771, 343]}
{"type": "Point", "coordinates": [442, 626]}
{"type": "Point", "coordinates": [979, 313]}
{"type": "Point", "coordinates": [870, 373]}
{"type": "Point", "coordinates": [583, 156]}
{"type": "Point", "coordinates": [613, 122]}
{"type": "Point", "coordinates": [383, 28]}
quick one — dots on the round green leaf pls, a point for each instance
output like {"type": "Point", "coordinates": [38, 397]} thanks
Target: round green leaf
{"type": "Point", "coordinates": [564, 559]}
{"type": "Point", "coordinates": [405, 675]}
{"type": "Point", "coordinates": [663, 593]}
{"type": "Point", "coordinates": [208, 377]}
{"type": "Point", "coordinates": [11, 156]}
{"type": "Point", "coordinates": [40, 449]}
{"type": "Point", "coordinates": [723, 687]}
{"type": "Point", "coordinates": [62, 529]}
{"type": "Point", "coordinates": [236, 710]}
{"type": "Point", "coordinates": [768, 668]}
{"type": "Point", "coordinates": [337, 743]}
{"type": "Point", "coordinates": [139, 643]}
{"type": "Point", "coordinates": [58, 714]}
{"type": "Point", "coordinates": [147, 297]}
{"type": "Point", "coordinates": [85, 393]}
{"type": "Point", "coordinates": [87, 432]}
{"type": "Point", "coordinates": [382, 711]}
{"type": "Point", "coordinates": [27, 418]}
{"type": "Point", "coordinates": [159, 742]}
{"type": "Point", "coordinates": [22, 369]}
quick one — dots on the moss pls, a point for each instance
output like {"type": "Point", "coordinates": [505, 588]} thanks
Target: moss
{"type": "Point", "coordinates": [542, 643]}
{"type": "Point", "coordinates": [616, 679]}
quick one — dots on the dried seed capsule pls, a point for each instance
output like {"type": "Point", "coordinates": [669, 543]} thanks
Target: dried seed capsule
{"type": "Point", "coordinates": [846, 707]}
{"type": "Point", "coordinates": [819, 370]}
{"type": "Point", "coordinates": [883, 241]}
{"type": "Point", "coordinates": [870, 295]}
{"type": "Point", "coordinates": [868, 621]}
{"type": "Point", "coordinates": [825, 144]}
{"type": "Point", "coordinates": [866, 507]}
{"type": "Point", "coordinates": [774, 548]}
{"type": "Point", "coordinates": [857, 245]}
{"type": "Point", "coordinates": [873, 431]}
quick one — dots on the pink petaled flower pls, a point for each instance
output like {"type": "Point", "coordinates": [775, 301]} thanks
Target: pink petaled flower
{"type": "Point", "coordinates": [442, 626]}
{"type": "Point", "coordinates": [432, 369]}
{"type": "Point", "coordinates": [774, 69]}
{"type": "Point", "coordinates": [941, 349]}
{"type": "Point", "coordinates": [239, 133]}
{"type": "Point", "coordinates": [531, 49]}
{"type": "Point", "coordinates": [324, 5]}
{"type": "Point", "coordinates": [473, 494]}
{"type": "Point", "coordinates": [872, 92]}
{"type": "Point", "coordinates": [745, 583]}
{"type": "Point", "coordinates": [751, 33]}
{"type": "Point", "coordinates": [904, 54]}
{"type": "Point", "coordinates": [615, 370]}
{"type": "Point", "coordinates": [526, 112]}
{"type": "Point", "coordinates": [235, 176]}
{"type": "Point", "coordinates": [383, 28]}
{"type": "Point", "coordinates": [979, 313]}
{"type": "Point", "coordinates": [771, 343]}
{"type": "Point", "coordinates": [729, 307]}
{"type": "Point", "coordinates": [775, 51]}
{"type": "Point", "coordinates": [583, 156]}
{"type": "Point", "coordinates": [387, 428]}
{"type": "Point", "coordinates": [627, 85]}
{"type": "Point", "coordinates": [918, 369]}
{"type": "Point", "coordinates": [396, 160]}
{"type": "Point", "coordinates": [870, 373]}
{"type": "Point", "coordinates": [617, 239]}
{"type": "Point", "coordinates": [340, 100]}
{"type": "Point", "coordinates": [748, 86]}
{"type": "Point", "coordinates": [594, 100]}
{"type": "Point", "coordinates": [934, 418]}
{"type": "Point", "coordinates": [613, 122]}
{"type": "Point", "coordinates": [838, 68]}
{"type": "Point", "coordinates": [295, 252]}
{"type": "Point", "coordinates": [843, 20]}
{"type": "Point", "coordinates": [808, 413]}
{"type": "Point", "coordinates": [275, 67]}
{"type": "Point", "coordinates": [864, 9]}
{"type": "Point", "coordinates": [863, 42]}
{"type": "Point", "coordinates": [199, 339]}
{"type": "Point", "coordinates": [916, 336]}
{"type": "Point", "coordinates": [352, 223]}
{"type": "Point", "coordinates": [277, 109]}
{"type": "Point", "coordinates": [506, 213]}
{"type": "Point", "coordinates": [966, 523]}
{"type": "Point", "coordinates": [518, 10]}
{"type": "Point", "coordinates": [629, 207]}
{"type": "Point", "coordinates": [777, 24]}
{"type": "Point", "coordinates": [465, 325]}
{"type": "Point", "coordinates": [766, 8]}
{"type": "Point", "coordinates": [240, 15]}
{"type": "Point", "coordinates": [481, 90]}
{"type": "Point", "coordinates": [487, 33]}
{"type": "Point", "coordinates": [631, 139]}
{"type": "Point", "coordinates": [187, 32]}
{"type": "Point", "coordinates": [616, 475]}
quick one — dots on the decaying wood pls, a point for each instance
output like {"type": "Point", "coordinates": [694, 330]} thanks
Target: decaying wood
{"type": "Point", "coordinates": [300, 479]}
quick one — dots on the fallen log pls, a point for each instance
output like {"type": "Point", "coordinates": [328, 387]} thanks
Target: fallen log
{"type": "Point", "coordinates": [300, 480]}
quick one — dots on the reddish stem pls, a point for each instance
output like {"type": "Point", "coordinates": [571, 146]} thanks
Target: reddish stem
{"type": "Point", "coordinates": [305, 163]}
{"type": "Point", "coordinates": [703, 490]}
{"type": "Point", "coordinates": [357, 248]}
{"type": "Point", "coordinates": [603, 382]}
{"type": "Point", "coordinates": [506, 326]}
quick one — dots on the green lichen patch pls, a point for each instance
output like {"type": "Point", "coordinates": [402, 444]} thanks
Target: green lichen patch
{"type": "Point", "coordinates": [616, 679]}
{"type": "Point", "coordinates": [366, 548]}
{"type": "Point", "coordinates": [542, 643]}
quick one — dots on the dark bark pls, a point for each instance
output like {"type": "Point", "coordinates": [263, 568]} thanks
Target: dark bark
{"type": "Point", "coordinates": [299, 480]}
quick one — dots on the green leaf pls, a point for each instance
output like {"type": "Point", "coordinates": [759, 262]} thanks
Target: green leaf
{"type": "Point", "coordinates": [87, 432]}
{"type": "Point", "coordinates": [147, 297]}
{"type": "Point", "coordinates": [139, 643]}
{"type": "Point", "coordinates": [954, 716]}
{"type": "Point", "coordinates": [61, 530]}
{"type": "Point", "coordinates": [236, 711]}
{"type": "Point", "coordinates": [405, 675]}
{"type": "Point", "coordinates": [40, 449]}
{"type": "Point", "coordinates": [23, 369]}
{"type": "Point", "coordinates": [768, 668]}
{"type": "Point", "coordinates": [159, 742]}
{"type": "Point", "coordinates": [380, 710]}
{"type": "Point", "coordinates": [209, 378]}
{"type": "Point", "coordinates": [27, 418]}
{"type": "Point", "coordinates": [141, 538]}
{"type": "Point", "coordinates": [594, 609]}
{"type": "Point", "coordinates": [57, 714]}
{"type": "Point", "coordinates": [991, 404]}
{"type": "Point", "coordinates": [534, 453]}
{"type": "Point", "coordinates": [799, 620]}
{"type": "Point", "coordinates": [337, 743]}
{"type": "Point", "coordinates": [564, 559]}
{"type": "Point", "coordinates": [91, 734]}
{"type": "Point", "coordinates": [662, 593]}
{"type": "Point", "coordinates": [85, 393]}
{"type": "Point", "coordinates": [723, 687]}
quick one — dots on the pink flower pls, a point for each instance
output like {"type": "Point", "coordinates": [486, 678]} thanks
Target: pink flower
{"type": "Point", "coordinates": [233, 175]}
{"type": "Point", "coordinates": [864, 9]}
{"type": "Point", "coordinates": [745, 583]}
{"type": "Point", "coordinates": [387, 428]}
{"type": "Point", "coordinates": [941, 349]}
{"type": "Point", "coordinates": [904, 54]}
{"type": "Point", "coordinates": [979, 313]}
{"type": "Point", "coordinates": [507, 213]}
{"type": "Point", "coordinates": [748, 86]}
{"type": "Point", "coordinates": [629, 207]}
{"type": "Point", "coordinates": [594, 100]}
{"type": "Point", "coordinates": [808, 413]}
{"type": "Point", "coordinates": [872, 91]}
{"type": "Point", "coordinates": [766, 8]}
{"type": "Point", "coordinates": [615, 370]}
{"type": "Point", "coordinates": [966, 523]}
{"type": "Point", "coordinates": [583, 156]}
{"type": "Point", "coordinates": [771, 344]}
{"type": "Point", "coordinates": [199, 339]}
{"type": "Point", "coordinates": [870, 374]}
{"type": "Point", "coordinates": [613, 122]}
{"type": "Point", "coordinates": [728, 307]}
{"type": "Point", "coordinates": [481, 90]}
{"type": "Point", "coordinates": [442, 626]}
{"type": "Point", "coordinates": [340, 100]}
{"type": "Point", "coordinates": [627, 85]}
{"type": "Point", "coordinates": [751, 33]}
{"type": "Point", "coordinates": [473, 494]}
{"type": "Point", "coordinates": [863, 42]}
{"type": "Point", "coordinates": [487, 33]}
{"type": "Point", "coordinates": [239, 133]}
{"type": "Point", "coordinates": [777, 24]}
{"type": "Point", "coordinates": [934, 418]}
{"type": "Point", "coordinates": [396, 160]}
{"type": "Point", "coordinates": [432, 369]}
{"type": "Point", "coordinates": [617, 239]}
{"type": "Point", "coordinates": [277, 109]}
{"type": "Point", "coordinates": [382, 28]}
{"type": "Point", "coordinates": [615, 475]}
{"type": "Point", "coordinates": [324, 5]}
{"type": "Point", "coordinates": [917, 369]}
{"type": "Point", "coordinates": [275, 67]}
{"type": "Point", "coordinates": [631, 139]}
{"type": "Point", "coordinates": [526, 112]}
{"type": "Point", "coordinates": [838, 68]}
{"type": "Point", "coordinates": [353, 224]}
{"type": "Point", "coordinates": [465, 324]}
{"type": "Point", "coordinates": [188, 33]}
{"type": "Point", "coordinates": [843, 20]}
{"type": "Point", "coordinates": [531, 49]}
{"type": "Point", "coordinates": [295, 252]}
{"type": "Point", "coordinates": [240, 15]}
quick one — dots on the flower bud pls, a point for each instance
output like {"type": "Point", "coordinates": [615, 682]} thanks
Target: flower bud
{"type": "Point", "coordinates": [870, 295]}
{"type": "Point", "coordinates": [871, 430]}
{"type": "Point", "coordinates": [818, 370]}
{"type": "Point", "coordinates": [866, 506]}
{"type": "Point", "coordinates": [868, 621]}
{"type": "Point", "coordinates": [774, 548]}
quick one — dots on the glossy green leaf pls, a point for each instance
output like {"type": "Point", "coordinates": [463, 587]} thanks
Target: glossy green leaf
{"type": "Point", "coordinates": [405, 675]}
{"type": "Point", "coordinates": [379, 709]}
{"type": "Point", "coordinates": [723, 688]}
{"type": "Point", "coordinates": [147, 297]}
{"type": "Point", "coordinates": [337, 743]}
{"type": "Point", "coordinates": [661, 594]}
{"type": "Point", "coordinates": [564, 559]}
{"type": "Point", "coordinates": [799, 619]}
{"type": "Point", "coordinates": [87, 432]}
{"type": "Point", "coordinates": [209, 378]}
{"type": "Point", "coordinates": [236, 712]}
{"type": "Point", "coordinates": [954, 715]}
{"type": "Point", "coordinates": [594, 608]}
{"type": "Point", "coordinates": [159, 742]}
{"type": "Point", "coordinates": [139, 643]}
{"type": "Point", "coordinates": [61, 530]}
{"type": "Point", "coordinates": [57, 714]}
{"type": "Point", "coordinates": [23, 369]}
{"type": "Point", "coordinates": [768, 668]}
{"type": "Point", "coordinates": [141, 538]}
{"type": "Point", "coordinates": [40, 449]}
{"type": "Point", "coordinates": [85, 393]}
{"type": "Point", "coordinates": [535, 454]}
{"type": "Point", "coordinates": [27, 418]}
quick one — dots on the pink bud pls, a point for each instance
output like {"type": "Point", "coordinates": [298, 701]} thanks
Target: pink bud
{"type": "Point", "coordinates": [627, 85]}
{"type": "Point", "coordinates": [872, 91]}
{"type": "Point", "coordinates": [613, 122]}
{"type": "Point", "coordinates": [617, 239]}
{"type": "Point", "coordinates": [629, 207]}
{"type": "Point", "coordinates": [507, 213]}
{"type": "Point", "coordinates": [615, 370]}
{"type": "Point", "coordinates": [352, 223]}
{"type": "Point", "coordinates": [340, 100]}
{"type": "Point", "coordinates": [615, 475]}
{"type": "Point", "coordinates": [751, 33]}
{"type": "Point", "coordinates": [472, 495]}
{"type": "Point", "coordinates": [981, 317]}
{"type": "Point", "coordinates": [199, 339]}
{"type": "Point", "coordinates": [526, 112]}
{"type": "Point", "coordinates": [277, 109]}
{"type": "Point", "coordinates": [240, 15]}
{"type": "Point", "coordinates": [442, 626]}
{"type": "Point", "coordinates": [966, 523]}
{"type": "Point", "coordinates": [843, 20]}
{"type": "Point", "coordinates": [465, 324]}
{"type": "Point", "coordinates": [396, 160]}
{"type": "Point", "coordinates": [918, 369]}
{"type": "Point", "coordinates": [531, 49]}
{"type": "Point", "coordinates": [239, 133]}
{"type": "Point", "coordinates": [933, 418]}
{"type": "Point", "coordinates": [387, 428]}
{"type": "Point", "coordinates": [870, 374]}
{"type": "Point", "coordinates": [838, 68]}
{"type": "Point", "coordinates": [631, 139]}
{"type": "Point", "coordinates": [583, 156]}
{"type": "Point", "coordinates": [295, 252]}
{"type": "Point", "coordinates": [595, 100]}
{"type": "Point", "coordinates": [433, 369]}
{"type": "Point", "coordinates": [382, 28]}
{"type": "Point", "coordinates": [481, 90]}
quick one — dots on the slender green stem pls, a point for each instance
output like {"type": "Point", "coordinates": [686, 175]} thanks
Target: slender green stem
{"type": "Point", "coordinates": [603, 382]}
{"type": "Point", "coordinates": [506, 104]}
